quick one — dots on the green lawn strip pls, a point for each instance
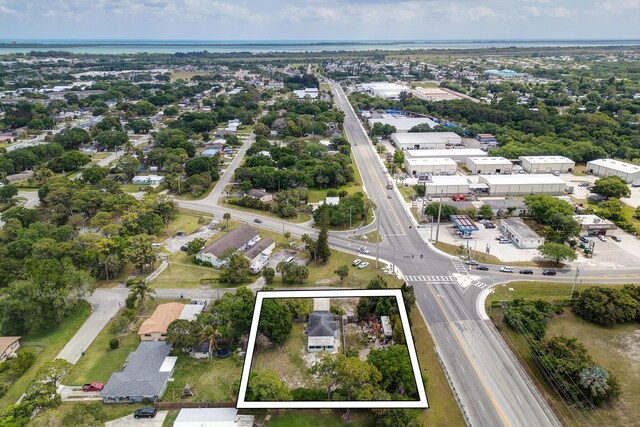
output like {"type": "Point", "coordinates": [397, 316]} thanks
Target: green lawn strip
{"type": "Point", "coordinates": [286, 360]}
{"type": "Point", "coordinates": [491, 259]}
{"type": "Point", "coordinates": [320, 418]}
{"type": "Point", "coordinates": [183, 273]}
{"type": "Point", "coordinates": [407, 192]}
{"type": "Point", "coordinates": [302, 216]}
{"type": "Point", "coordinates": [54, 340]}
{"type": "Point", "coordinates": [170, 418]}
{"type": "Point", "coordinates": [187, 196]}
{"type": "Point", "coordinates": [549, 291]}
{"type": "Point", "coordinates": [99, 361]}
{"type": "Point", "coordinates": [210, 380]}
{"type": "Point", "coordinates": [112, 412]}
{"type": "Point", "coordinates": [186, 222]}
{"type": "Point", "coordinates": [443, 407]}
{"type": "Point", "coordinates": [372, 237]}
{"type": "Point", "coordinates": [423, 84]}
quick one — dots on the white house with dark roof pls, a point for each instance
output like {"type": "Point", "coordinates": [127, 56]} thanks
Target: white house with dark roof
{"type": "Point", "coordinates": [322, 331]}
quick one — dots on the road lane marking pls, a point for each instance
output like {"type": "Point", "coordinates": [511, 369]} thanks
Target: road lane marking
{"type": "Point", "coordinates": [462, 367]}
{"type": "Point", "coordinates": [464, 350]}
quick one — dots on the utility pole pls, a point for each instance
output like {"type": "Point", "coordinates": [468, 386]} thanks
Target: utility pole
{"type": "Point", "coordinates": [439, 212]}
{"type": "Point", "coordinates": [573, 287]}
{"type": "Point", "coordinates": [349, 217]}
{"type": "Point", "coordinates": [424, 199]}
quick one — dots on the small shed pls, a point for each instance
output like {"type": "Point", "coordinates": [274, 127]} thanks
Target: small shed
{"type": "Point", "coordinates": [386, 326]}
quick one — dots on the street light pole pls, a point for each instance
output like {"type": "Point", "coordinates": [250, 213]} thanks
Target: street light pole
{"type": "Point", "coordinates": [575, 279]}
{"type": "Point", "coordinates": [439, 212]}
{"type": "Point", "coordinates": [377, 239]}
{"type": "Point", "coordinates": [349, 217]}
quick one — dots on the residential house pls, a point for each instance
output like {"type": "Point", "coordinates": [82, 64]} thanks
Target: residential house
{"type": "Point", "coordinates": [322, 330]}
{"type": "Point", "coordinates": [155, 327]}
{"type": "Point", "coordinates": [148, 179]}
{"type": "Point", "coordinates": [144, 376]}
{"type": "Point", "coordinates": [259, 194]}
{"type": "Point", "coordinates": [262, 247]}
{"type": "Point", "coordinates": [8, 347]}
{"type": "Point", "coordinates": [238, 239]}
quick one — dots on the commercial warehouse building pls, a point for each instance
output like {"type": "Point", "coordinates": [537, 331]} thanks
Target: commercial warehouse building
{"type": "Point", "coordinates": [384, 89]}
{"type": "Point", "coordinates": [522, 185]}
{"type": "Point", "coordinates": [593, 225]}
{"type": "Point", "coordinates": [520, 233]}
{"type": "Point", "coordinates": [609, 167]}
{"type": "Point", "coordinates": [460, 155]}
{"type": "Point", "coordinates": [547, 164]}
{"type": "Point", "coordinates": [425, 140]}
{"type": "Point", "coordinates": [488, 165]}
{"type": "Point", "coordinates": [447, 185]}
{"type": "Point", "coordinates": [432, 166]}
{"type": "Point", "coordinates": [401, 123]}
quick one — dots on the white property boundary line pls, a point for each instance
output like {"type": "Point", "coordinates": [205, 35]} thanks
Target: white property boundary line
{"type": "Point", "coordinates": [330, 293]}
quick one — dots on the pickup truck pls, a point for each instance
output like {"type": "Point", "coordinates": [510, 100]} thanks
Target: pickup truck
{"type": "Point", "coordinates": [94, 386]}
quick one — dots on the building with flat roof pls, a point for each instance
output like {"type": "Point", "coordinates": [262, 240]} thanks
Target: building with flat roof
{"type": "Point", "coordinates": [460, 155]}
{"type": "Point", "coordinates": [610, 167]}
{"type": "Point", "coordinates": [437, 94]}
{"type": "Point", "coordinates": [446, 185]}
{"type": "Point", "coordinates": [515, 207]}
{"type": "Point", "coordinates": [520, 233]}
{"type": "Point", "coordinates": [432, 166]}
{"type": "Point", "coordinates": [547, 164]}
{"type": "Point", "coordinates": [147, 179]}
{"type": "Point", "coordinates": [425, 140]}
{"type": "Point", "coordinates": [522, 185]}
{"type": "Point", "coordinates": [385, 89]}
{"type": "Point", "coordinates": [486, 138]}
{"type": "Point", "coordinates": [400, 122]}
{"type": "Point", "coordinates": [212, 417]}
{"type": "Point", "coordinates": [488, 165]}
{"type": "Point", "coordinates": [593, 225]}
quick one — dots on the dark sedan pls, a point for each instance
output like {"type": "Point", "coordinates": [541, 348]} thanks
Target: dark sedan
{"type": "Point", "coordinates": [482, 267]}
{"type": "Point", "coordinates": [145, 413]}
{"type": "Point", "coordinates": [526, 271]}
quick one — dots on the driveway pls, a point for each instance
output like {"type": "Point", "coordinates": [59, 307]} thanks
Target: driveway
{"type": "Point", "coordinates": [129, 421]}
{"type": "Point", "coordinates": [173, 244]}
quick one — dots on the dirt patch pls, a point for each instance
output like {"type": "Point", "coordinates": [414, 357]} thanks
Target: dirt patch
{"type": "Point", "coordinates": [349, 305]}
{"type": "Point", "coordinates": [326, 281]}
{"type": "Point", "coordinates": [629, 345]}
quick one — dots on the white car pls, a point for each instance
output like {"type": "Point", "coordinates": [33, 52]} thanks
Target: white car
{"type": "Point", "coordinates": [356, 262]}
{"type": "Point", "coordinates": [363, 265]}
{"type": "Point", "coordinates": [467, 236]}
{"type": "Point", "coordinates": [506, 269]}
{"type": "Point", "coordinates": [602, 238]}
{"type": "Point", "coordinates": [363, 250]}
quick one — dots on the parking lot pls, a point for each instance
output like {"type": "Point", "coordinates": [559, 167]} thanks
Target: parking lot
{"type": "Point", "coordinates": [612, 254]}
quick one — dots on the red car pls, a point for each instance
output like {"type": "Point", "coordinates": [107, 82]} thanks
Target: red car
{"type": "Point", "coordinates": [95, 386]}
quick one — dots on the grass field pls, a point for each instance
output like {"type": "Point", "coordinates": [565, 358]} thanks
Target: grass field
{"type": "Point", "coordinates": [209, 379]}
{"type": "Point", "coordinates": [302, 216]}
{"type": "Point", "coordinates": [183, 273]}
{"type": "Point", "coordinates": [185, 75]}
{"type": "Point", "coordinates": [548, 291]}
{"type": "Point", "coordinates": [54, 340]}
{"type": "Point", "coordinates": [313, 418]}
{"type": "Point", "coordinates": [617, 349]}
{"type": "Point", "coordinates": [286, 360]}
{"type": "Point", "coordinates": [186, 222]}
{"type": "Point", "coordinates": [423, 84]}
{"type": "Point", "coordinates": [54, 417]}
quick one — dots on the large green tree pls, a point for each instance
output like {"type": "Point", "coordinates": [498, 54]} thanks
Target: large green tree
{"type": "Point", "coordinates": [275, 320]}
{"type": "Point", "coordinates": [557, 252]}
{"type": "Point", "coordinates": [611, 186]}
{"type": "Point", "coordinates": [266, 386]}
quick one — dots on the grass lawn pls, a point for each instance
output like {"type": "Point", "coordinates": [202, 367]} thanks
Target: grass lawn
{"type": "Point", "coordinates": [99, 361]}
{"type": "Point", "coordinates": [186, 222]}
{"type": "Point", "coordinates": [286, 360]}
{"type": "Point", "coordinates": [54, 340]}
{"type": "Point", "coordinates": [183, 273]}
{"type": "Point", "coordinates": [133, 188]}
{"type": "Point", "coordinates": [372, 237]}
{"type": "Point", "coordinates": [185, 195]}
{"type": "Point", "coordinates": [602, 343]}
{"type": "Point", "coordinates": [170, 418]}
{"type": "Point", "coordinates": [315, 418]}
{"type": "Point", "coordinates": [444, 409]}
{"type": "Point", "coordinates": [423, 84]}
{"type": "Point", "coordinates": [580, 170]}
{"type": "Point", "coordinates": [185, 75]}
{"type": "Point", "coordinates": [407, 192]}
{"type": "Point", "coordinates": [302, 216]}
{"type": "Point", "coordinates": [210, 380]}
{"type": "Point", "coordinates": [113, 412]}
{"type": "Point", "coordinates": [549, 291]}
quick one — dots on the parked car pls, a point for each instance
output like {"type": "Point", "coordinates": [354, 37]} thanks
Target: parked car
{"type": "Point", "coordinates": [505, 269]}
{"type": "Point", "coordinates": [504, 241]}
{"type": "Point", "coordinates": [145, 413]}
{"type": "Point", "coordinates": [458, 197]}
{"type": "Point", "coordinates": [472, 262]}
{"type": "Point", "coordinates": [584, 184]}
{"type": "Point", "coordinates": [548, 272]}
{"type": "Point", "coordinates": [584, 239]}
{"type": "Point", "coordinates": [363, 265]}
{"type": "Point", "coordinates": [183, 248]}
{"type": "Point", "coordinates": [180, 233]}
{"type": "Point", "coordinates": [602, 238]}
{"type": "Point", "coordinates": [363, 250]}
{"type": "Point", "coordinates": [526, 271]}
{"type": "Point", "coordinates": [616, 238]}
{"type": "Point", "coordinates": [482, 267]}
{"type": "Point", "coordinates": [258, 220]}
{"type": "Point", "coordinates": [356, 262]}
{"type": "Point", "coordinates": [489, 225]}
{"type": "Point", "coordinates": [94, 386]}
{"type": "Point", "coordinates": [467, 236]}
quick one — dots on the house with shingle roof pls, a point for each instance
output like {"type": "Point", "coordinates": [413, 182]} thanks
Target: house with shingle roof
{"type": "Point", "coordinates": [322, 331]}
{"type": "Point", "coordinates": [155, 327]}
{"type": "Point", "coordinates": [239, 239]}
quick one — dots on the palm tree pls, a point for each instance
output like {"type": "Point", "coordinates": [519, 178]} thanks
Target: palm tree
{"type": "Point", "coordinates": [141, 289]}
{"type": "Point", "coordinates": [210, 334]}
{"type": "Point", "coordinates": [227, 217]}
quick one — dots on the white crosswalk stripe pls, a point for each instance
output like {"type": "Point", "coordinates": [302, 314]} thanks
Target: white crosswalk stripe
{"type": "Point", "coordinates": [459, 265]}
{"type": "Point", "coordinates": [438, 279]}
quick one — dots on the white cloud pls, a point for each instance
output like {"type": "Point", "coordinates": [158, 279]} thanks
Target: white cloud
{"type": "Point", "coordinates": [621, 6]}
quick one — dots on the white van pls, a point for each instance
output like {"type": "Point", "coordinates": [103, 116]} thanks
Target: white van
{"type": "Point", "coordinates": [506, 269]}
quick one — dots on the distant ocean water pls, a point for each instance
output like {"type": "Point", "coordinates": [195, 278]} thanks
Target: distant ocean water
{"type": "Point", "coordinates": [264, 46]}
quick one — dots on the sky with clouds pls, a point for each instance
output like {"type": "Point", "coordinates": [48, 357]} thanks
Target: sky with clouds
{"type": "Point", "coordinates": [320, 19]}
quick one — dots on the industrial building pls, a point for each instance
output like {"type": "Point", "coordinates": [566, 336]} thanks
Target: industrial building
{"type": "Point", "coordinates": [425, 140]}
{"type": "Point", "coordinates": [437, 94]}
{"type": "Point", "coordinates": [431, 166]}
{"type": "Point", "coordinates": [384, 89]}
{"type": "Point", "coordinates": [609, 167]}
{"type": "Point", "coordinates": [488, 165]}
{"type": "Point", "coordinates": [547, 164]}
{"type": "Point", "coordinates": [400, 122]}
{"type": "Point", "coordinates": [446, 185]}
{"type": "Point", "coordinates": [460, 155]}
{"type": "Point", "coordinates": [520, 233]}
{"type": "Point", "coordinates": [522, 185]}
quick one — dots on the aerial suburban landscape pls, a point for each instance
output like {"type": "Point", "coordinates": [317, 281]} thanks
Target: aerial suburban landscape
{"type": "Point", "coordinates": [290, 227]}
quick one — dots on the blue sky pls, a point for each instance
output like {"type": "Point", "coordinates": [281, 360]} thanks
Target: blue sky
{"type": "Point", "coordinates": [319, 19]}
